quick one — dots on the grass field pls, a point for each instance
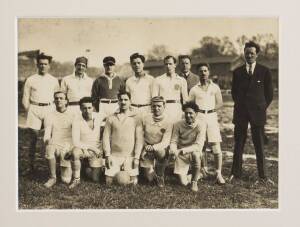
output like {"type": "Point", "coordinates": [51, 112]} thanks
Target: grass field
{"type": "Point", "coordinates": [88, 195]}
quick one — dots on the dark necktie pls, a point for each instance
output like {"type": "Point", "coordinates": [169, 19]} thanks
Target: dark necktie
{"type": "Point", "coordinates": [250, 72]}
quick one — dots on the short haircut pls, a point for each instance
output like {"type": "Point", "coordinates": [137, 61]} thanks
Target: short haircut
{"type": "Point", "coordinates": [180, 57]}
{"type": "Point", "coordinates": [43, 56]}
{"type": "Point", "coordinates": [170, 57]}
{"type": "Point", "coordinates": [61, 92]}
{"type": "Point", "coordinates": [137, 55]}
{"type": "Point", "coordinates": [252, 44]}
{"type": "Point", "coordinates": [191, 105]}
{"type": "Point", "coordinates": [204, 64]}
{"type": "Point", "coordinates": [123, 92]}
{"type": "Point", "coordinates": [85, 100]}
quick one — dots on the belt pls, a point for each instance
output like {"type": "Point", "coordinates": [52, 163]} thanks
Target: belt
{"type": "Point", "coordinates": [108, 101]}
{"type": "Point", "coordinates": [39, 103]}
{"type": "Point", "coordinates": [207, 111]}
{"type": "Point", "coordinates": [172, 101]}
{"type": "Point", "coordinates": [140, 105]}
{"type": "Point", "coordinates": [73, 103]}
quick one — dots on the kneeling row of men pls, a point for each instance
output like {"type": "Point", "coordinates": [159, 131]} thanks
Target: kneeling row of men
{"type": "Point", "coordinates": [129, 141]}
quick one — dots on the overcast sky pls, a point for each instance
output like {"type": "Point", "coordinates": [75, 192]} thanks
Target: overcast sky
{"type": "Point", "coordinates": [65, 39]}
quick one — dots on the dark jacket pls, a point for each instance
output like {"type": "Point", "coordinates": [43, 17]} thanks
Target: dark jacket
{"type": "Point", "coordinates": [251, 94]}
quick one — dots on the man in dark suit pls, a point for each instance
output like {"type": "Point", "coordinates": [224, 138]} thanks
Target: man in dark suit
{"type": "Point", "coordinates": [252, 93]}
{"type": "Point", "coordinates": [185, 71]}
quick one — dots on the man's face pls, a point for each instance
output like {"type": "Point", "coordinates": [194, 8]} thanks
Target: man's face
{"type": "Point", "coordinates": [170, 66]}
{"type": "Point", "coordinates": [250, 54]}
{"type": "Point", "coordinates": [80, 68]}
{"type": "Point", "coordinates": [87, 110]}
{"type": "Point", "coordinates": [137, 65]}
{"type": "Point", "coordinates": [43, 66]}
{"type": "Point", "coordinates": [60, 100]}
{"type": "Point", "coordinates": [203, 73]}
{"type": "Point", "coordinates": [185, 65]}
{"type": "Point", "coordinates": [109, 68]}
{"type": "Point", "coordinates": [190, 116]}
{"type": "Point", "coordinates": [157, 108]}
{"type": "Point", "coordinates": [124, 102]}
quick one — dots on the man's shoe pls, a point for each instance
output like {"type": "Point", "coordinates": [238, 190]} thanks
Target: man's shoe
{"type": "Point", "coordinates": [203, 173]}
{"type": "Point", "coordinates": [220, 179]}
{"type": "Point", "coordinates": [232, 179]}
{"type": "Point", "coordinates": [50, 182]}
{"type": "Point", "coordinates": [74, 183]}
{"type": "Point", "coordinates": [194, 186]}
{"type": "Point", "coordinates": [264, 181]}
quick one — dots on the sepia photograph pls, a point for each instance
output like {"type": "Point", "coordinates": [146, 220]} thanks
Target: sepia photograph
{"type": "Point", "coordinates": [148, 113]}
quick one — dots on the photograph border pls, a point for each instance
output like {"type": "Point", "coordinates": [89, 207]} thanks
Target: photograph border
{"type": "Point", "coordinates": [12, 216]}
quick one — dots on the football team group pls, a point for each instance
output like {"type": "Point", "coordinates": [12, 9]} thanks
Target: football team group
{"type": "Point", "coordinates": [138, 126]}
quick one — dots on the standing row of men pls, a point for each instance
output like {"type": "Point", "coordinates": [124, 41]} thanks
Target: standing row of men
{"type": "Point", "coordinates": [172, 91]}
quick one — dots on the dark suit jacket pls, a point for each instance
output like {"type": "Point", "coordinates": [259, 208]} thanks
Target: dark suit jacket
{"type": "Point", "coordinates": [252, 95]}
{"type": "Point", "coordinates": [191, 80]}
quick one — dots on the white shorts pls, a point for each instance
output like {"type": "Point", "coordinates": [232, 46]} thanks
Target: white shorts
{"type": "Point", "coordinates": [56, 150]}
{"type": "Point", "coordinates": [118, 162]}
{"type": "Point", "coordinates": [174, 112]}
{"type": "Point", "coordinates": [94, 162]}
{"type": "Point", "coordinates": [36, 115]}
{"type": "Point", "coordinates": [183, 162]}
{"type": "Point", "coordinates": [212, 126]}
{"type": "Point", "coordinates": [107, 109]}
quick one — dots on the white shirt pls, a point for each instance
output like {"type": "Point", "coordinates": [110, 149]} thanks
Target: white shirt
{"type": "Point", "coordinates": [84, 136]}
{"type": "Point", "coordinates": [140, 89]}
{"type": "Point", "coordinates": [39, 88]}
{"type": "Point", "coordinates": [58, 127]}
{"type": "Point", "coordinates": [206, 100]}
{"type": "Point", "coordinates": [170, 87]}
{"type": "Point", "coordinates": [77, 87]}
{"type": "Point", "coordinates": [252, 67]}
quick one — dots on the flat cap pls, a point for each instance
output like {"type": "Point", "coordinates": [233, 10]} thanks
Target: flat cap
{"type": "Point", "coordinates": [109, 60]}
{"type": "Point", "coordinates": [158, 99]}
{"type": "Point", "coordinates": [82, 59]}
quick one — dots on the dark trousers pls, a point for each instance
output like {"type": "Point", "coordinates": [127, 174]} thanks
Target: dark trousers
{"type": "Point", "coordinates": [240, 136]}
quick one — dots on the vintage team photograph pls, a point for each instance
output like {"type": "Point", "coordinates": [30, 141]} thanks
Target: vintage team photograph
{"type": "Point", "coordinates": [148, 113]}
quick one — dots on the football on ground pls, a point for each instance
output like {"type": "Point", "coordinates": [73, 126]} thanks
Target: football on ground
{"type": "Point", "coordinates": [122, 178]}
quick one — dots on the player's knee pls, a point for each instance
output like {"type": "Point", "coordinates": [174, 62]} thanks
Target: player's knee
{"type": "Point", "coordinates": [76, 153]}
{"type": "Point", "coordinates": [50, 152]}
{"type": "Point", "coordinates": [216, 148]}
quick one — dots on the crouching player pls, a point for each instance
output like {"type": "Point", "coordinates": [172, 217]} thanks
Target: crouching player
{"type": "Point", "coordinates": [187, 141]}
{"type": "Point", "coordinates": [58, 138]}
{"type": "Point", "coordinates": [86, 140]}
{"type": "Point", "coordinates": [122, 141]}
{"type": "Point", "coordinates": [157, 131]}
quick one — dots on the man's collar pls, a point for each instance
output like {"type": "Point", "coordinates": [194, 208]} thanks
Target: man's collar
{"type": "Point", "coordinates": [109, 77]}
{"type": "Point", "coordinates": [253, 65]}
{"type": "Point", "coordinates": [77, 76]}
{"type": "Point", "coordinates": [208, 82]}
{"type": "Point", "coordinates": [139, 77]}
